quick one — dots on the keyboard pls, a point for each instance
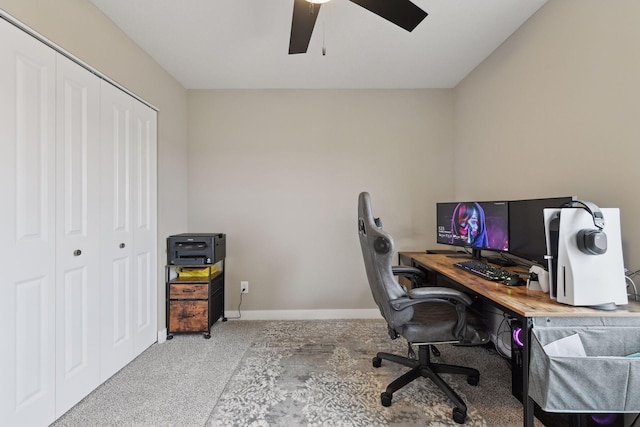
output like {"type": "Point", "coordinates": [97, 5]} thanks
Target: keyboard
{"type": "Point", "coordinates": [484, 270]}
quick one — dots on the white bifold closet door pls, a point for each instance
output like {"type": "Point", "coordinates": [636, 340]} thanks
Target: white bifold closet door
{"type": "Point", "coordinates": [78, 234]}
{"type": "Point", "coordinates": [27, 229]}
{"type": "Point", "coordinates": [129, 279]}
{"type": "Point", "coordinates": [145, 225]}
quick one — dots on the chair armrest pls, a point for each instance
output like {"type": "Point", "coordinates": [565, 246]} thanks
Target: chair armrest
{"type": "Point", "coordinates": [431, 294]}
{"type": "Point", "coordinates": [417, 276]}
{"type": "Point", "coordinates": [405, 270]}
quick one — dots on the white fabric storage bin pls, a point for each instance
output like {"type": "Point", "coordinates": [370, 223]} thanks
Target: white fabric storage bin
{"type": "Point", "coordinates": [603, 381]}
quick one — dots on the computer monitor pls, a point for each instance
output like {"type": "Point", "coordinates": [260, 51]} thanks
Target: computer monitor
{"type": "Point", "coordinates": [476, 225]}
{"type": "Point", "coordinates": [526, 227]}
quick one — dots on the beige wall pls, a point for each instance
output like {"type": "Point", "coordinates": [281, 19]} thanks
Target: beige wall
{"type": "Point", "coordinates": [81, 29]}
{"type": "Point", "coordinates": [556, 111]}
{"type": "Point", "coordinates": [553, 111]}
{"type": "Point", "coordinates": [280, 171]}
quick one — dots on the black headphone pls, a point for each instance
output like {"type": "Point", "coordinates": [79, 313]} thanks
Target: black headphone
{"type": "Point", "coordinates": [591, 241]}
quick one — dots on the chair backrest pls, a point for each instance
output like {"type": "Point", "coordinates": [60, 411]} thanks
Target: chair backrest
{"type": "Point", "coordinates": [377, 250]}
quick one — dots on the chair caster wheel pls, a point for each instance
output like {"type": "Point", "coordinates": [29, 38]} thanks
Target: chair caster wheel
{"type": "Point", "coordinates": [377, 362]}
{"type": "Point", "coordinates": [471, 380]}
{"type": "Point", "coordinates": [459, 416]}
{"type": "Point", "coordinates": [385, 399]}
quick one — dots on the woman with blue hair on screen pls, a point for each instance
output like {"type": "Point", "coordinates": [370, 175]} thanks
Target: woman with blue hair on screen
{"type": "Point", "coordinates": [467, 225]}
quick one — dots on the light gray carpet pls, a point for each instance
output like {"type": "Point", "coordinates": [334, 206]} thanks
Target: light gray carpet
{"type": "Point", "coordinates": [176, 383]}
{"type": "Point", "coordinates": [282, 373]}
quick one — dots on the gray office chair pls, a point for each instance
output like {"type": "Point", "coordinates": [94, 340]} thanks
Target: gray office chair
{"type": "Point", "coordinates": [423, 316]}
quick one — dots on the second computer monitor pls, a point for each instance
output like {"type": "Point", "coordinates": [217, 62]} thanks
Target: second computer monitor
{"type": "Point", "coordinates": [526, 227]}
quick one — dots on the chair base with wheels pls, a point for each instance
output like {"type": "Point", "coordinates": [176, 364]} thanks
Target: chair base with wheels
{"type": "Point", "coordinates": [423, 367]}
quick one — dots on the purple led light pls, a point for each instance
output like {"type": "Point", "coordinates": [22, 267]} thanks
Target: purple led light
{"type": "Point", "coordinates": [517, 336]}
{"type": "Point", "coordinates": [604, 419]}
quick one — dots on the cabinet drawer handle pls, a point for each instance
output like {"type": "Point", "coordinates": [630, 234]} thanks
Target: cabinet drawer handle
{"type": "Point", "coordinates": [77, 252]}
{"type": "Point", "coordinates": [122, 245]}
{"type": "Point", "coordinates": [188, 290]}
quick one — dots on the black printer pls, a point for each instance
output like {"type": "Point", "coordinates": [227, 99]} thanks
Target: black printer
{"type": "Point", "coordinates": [195, 248]}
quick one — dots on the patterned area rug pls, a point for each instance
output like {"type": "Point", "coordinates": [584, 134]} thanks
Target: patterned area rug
{"type": "Point", "coordinates": [319, 373]}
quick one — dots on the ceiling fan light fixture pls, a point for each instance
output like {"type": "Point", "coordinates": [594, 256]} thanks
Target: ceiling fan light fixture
{"type": "Point", "coordinates": [318, 1]}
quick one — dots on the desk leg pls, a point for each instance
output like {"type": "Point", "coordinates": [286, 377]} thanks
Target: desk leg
{"type": "Point", "coordinates": [527, 402]}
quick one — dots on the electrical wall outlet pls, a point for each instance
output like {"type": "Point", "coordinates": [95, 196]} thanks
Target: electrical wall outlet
{"type": "Point", "coordinates": [244, 287]}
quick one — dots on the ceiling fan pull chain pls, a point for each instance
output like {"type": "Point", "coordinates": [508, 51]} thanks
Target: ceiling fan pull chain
{"type": "Point", "coordinates": [324, 47]}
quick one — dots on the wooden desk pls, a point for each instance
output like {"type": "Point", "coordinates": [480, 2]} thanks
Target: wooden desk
{"type": "Point", "coordinates": [518, 301]}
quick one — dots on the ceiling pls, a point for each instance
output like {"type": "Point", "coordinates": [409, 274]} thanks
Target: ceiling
{"type": "Point", "coordinates": [243, 44]}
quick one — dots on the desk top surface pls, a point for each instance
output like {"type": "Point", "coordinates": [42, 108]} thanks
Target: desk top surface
{"type": "Point", "coordinates": [519, 299]}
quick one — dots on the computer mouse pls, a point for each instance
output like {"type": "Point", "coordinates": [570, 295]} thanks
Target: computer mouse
{"type": "Point", "coordinates": [515, 280]}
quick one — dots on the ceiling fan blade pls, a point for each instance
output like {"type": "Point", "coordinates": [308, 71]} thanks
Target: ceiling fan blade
{"type": "Point", "coordinates": [403, 13]}
{"type": "Point", "coordinates": [302, 23]}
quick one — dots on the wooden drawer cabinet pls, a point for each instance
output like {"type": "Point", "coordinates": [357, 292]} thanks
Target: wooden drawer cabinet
{"type": "Point", "coordinates": [194, 303]}
{"type": "Point", "coordinates": [188, 316]}
{"type": "Point", "coordinates": [188, 291]}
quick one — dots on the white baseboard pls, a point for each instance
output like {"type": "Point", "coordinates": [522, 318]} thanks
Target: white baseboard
{"type": "Point", "coordinates": [369, 313]}
{"type": "Point", "coordinates": [162, 336]}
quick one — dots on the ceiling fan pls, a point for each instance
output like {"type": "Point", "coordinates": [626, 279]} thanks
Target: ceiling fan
{"type": "Point", "coordinates": [403, 13]}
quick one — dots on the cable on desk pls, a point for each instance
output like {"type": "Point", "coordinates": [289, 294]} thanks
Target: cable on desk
{"type": "Point", "coordinates": [631, 282]}
{"type": "Point", "coordinates": [509, 259]}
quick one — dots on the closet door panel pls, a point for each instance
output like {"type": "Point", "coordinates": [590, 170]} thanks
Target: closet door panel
{"type": "Point", "coordinates": [27, 229]}
{"type": "Point", "coordinates": [116, 236]}
{"type": "Point", "coordinates": [144, 227]}
{"type": "Point", "coordinates": [78, 234]}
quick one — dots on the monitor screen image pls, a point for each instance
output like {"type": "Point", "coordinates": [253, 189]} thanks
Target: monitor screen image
{"type": "Point", "coordinates": [479, 225]}
{"type": "Point", "coordinates": [526, 227]}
